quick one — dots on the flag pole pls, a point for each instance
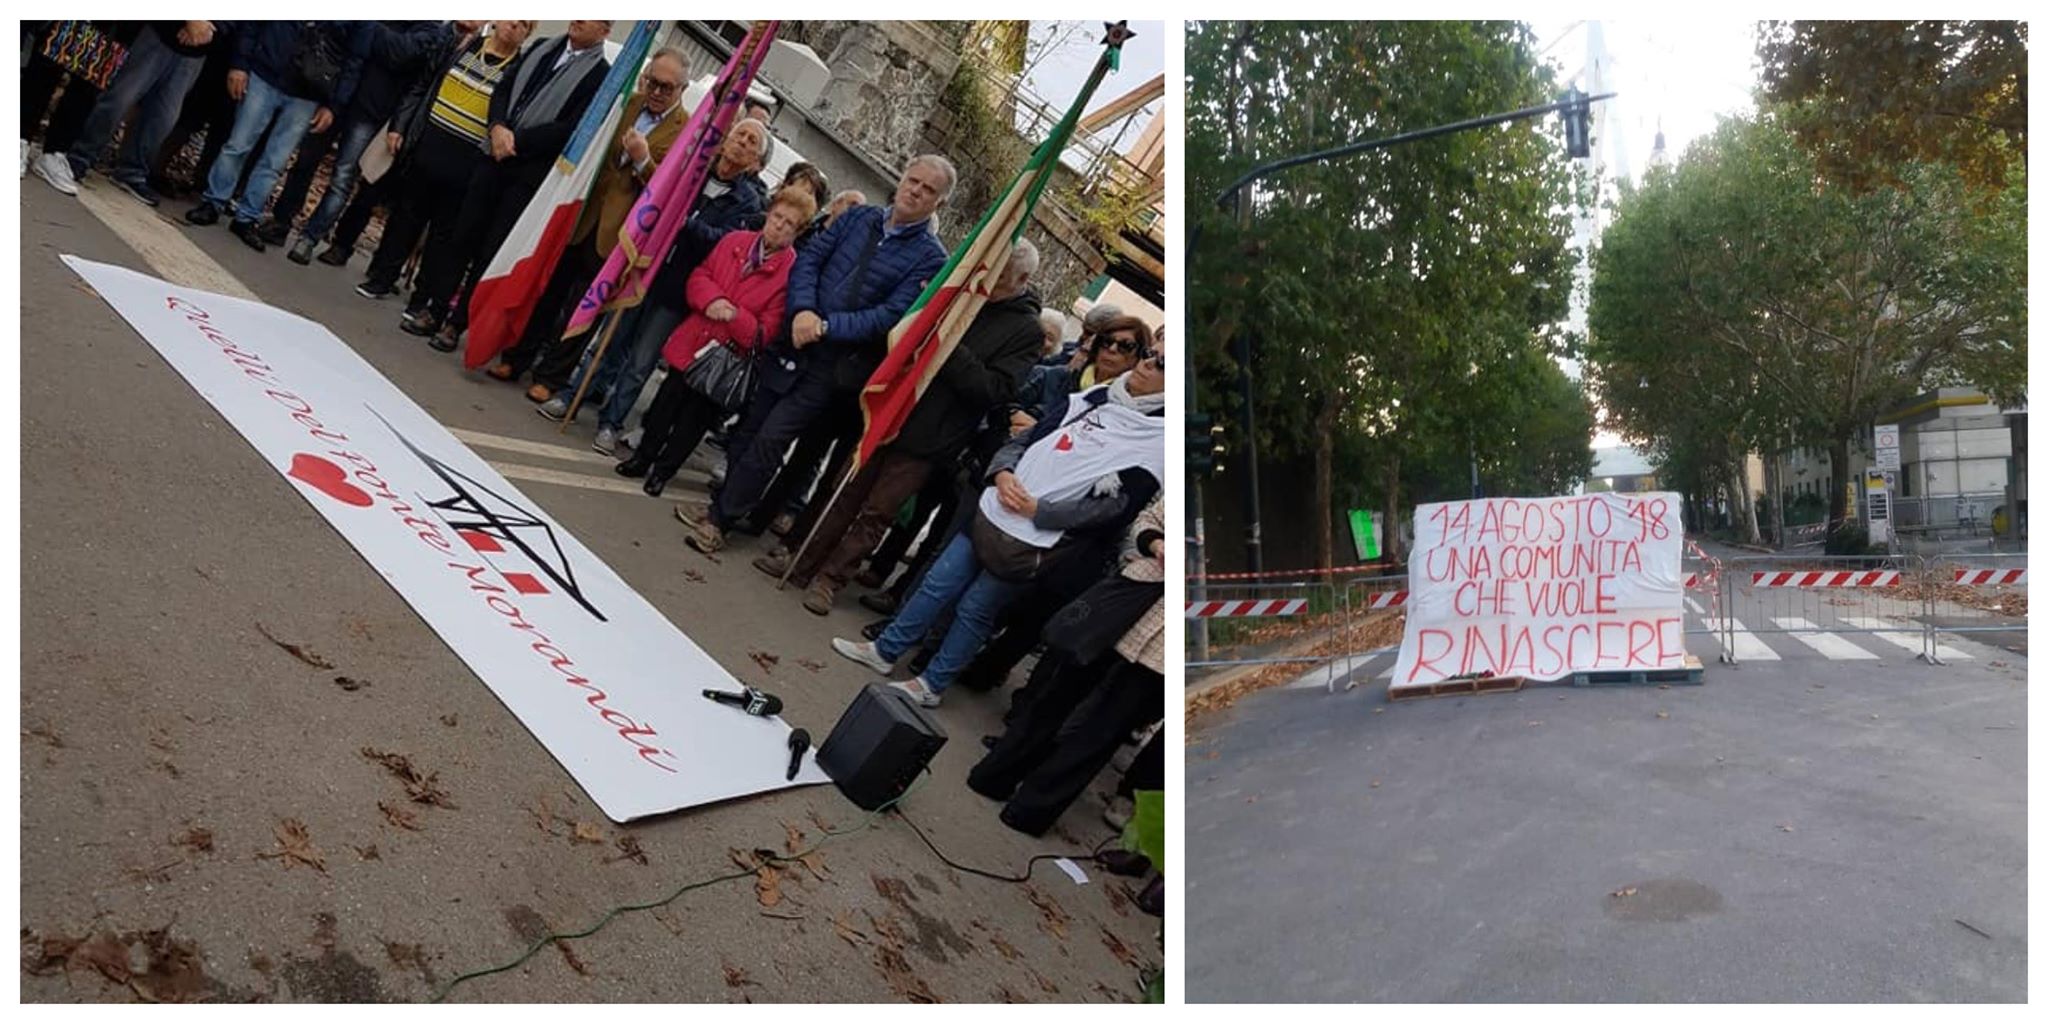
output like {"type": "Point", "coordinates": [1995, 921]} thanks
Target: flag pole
{"type": "Point", "coordinates": [845, 477]}
{"type": "Point", "coordinates": [604, 340]}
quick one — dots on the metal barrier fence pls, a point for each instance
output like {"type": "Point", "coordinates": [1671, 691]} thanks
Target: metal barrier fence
{"type": "Point", "coordinates": [1904, 601]}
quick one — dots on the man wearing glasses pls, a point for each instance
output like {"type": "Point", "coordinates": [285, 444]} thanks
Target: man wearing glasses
{"type": "Point", "coordinates": [647, 128]}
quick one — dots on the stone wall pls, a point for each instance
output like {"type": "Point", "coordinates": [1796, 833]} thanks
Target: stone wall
{"type": "Point", "coordinates": [887, 78]}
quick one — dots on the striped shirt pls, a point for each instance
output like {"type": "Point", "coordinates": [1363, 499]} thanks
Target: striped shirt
{"type": "Point", "coordinates": [463, 103]}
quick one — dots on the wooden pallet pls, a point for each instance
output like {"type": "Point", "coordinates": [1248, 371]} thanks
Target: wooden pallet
{"type": "Point", "coordinates": [1457, 687]}
{"type": "Point", "coordinates": [1690, 675]}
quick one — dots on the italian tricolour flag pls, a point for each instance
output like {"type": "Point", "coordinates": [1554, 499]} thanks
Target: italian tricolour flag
{"type": "Point", "coordinates": [511, 286]}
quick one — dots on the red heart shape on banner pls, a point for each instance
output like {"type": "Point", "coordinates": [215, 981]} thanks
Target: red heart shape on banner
{"type": "Point", "coordinates": [1065, 443]}
{"type": "Point", "coordinates": [328, 479]}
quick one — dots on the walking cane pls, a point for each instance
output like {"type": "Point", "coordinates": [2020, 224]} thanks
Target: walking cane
{"type": "Point", "coordinates": [845, 476]}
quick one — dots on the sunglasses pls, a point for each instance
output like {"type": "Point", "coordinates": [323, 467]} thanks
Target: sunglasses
{"type": "Point", "coordinates": [1124, 344]}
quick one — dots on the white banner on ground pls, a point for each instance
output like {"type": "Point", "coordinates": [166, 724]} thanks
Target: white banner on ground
{"type": "Point", "coordinates": [608, 685]}
{"type": "Point", "coordinates": [1542, 588]}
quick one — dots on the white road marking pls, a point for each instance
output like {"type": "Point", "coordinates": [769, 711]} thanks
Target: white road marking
{"type": "Point", "coordinates": [1834, 648]}
{"type": "Point", "coordinates": [540, 449]}
{"type": "Point", "coordinates": [161, 244]}
{"type": "Point", "coordinates": [1907, 637]}
{"type": "Point", "coordinates": [1748, 647]}
{"type": "Point", "coordinates": [1695, 606]}
{"type": "Point", "coordinates": [610, 485]}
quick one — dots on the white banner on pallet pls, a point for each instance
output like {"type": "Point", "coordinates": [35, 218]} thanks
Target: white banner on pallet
{"type": "Point", "coordinates": [1542, 588]}
{"type": "Point", "coordinates": [607, 684]}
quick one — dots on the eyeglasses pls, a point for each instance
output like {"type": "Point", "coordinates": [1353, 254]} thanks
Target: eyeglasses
{"type": "Point", "coordinates": [1120, 343]}
{"type": "Point", "coordinates": [656, 85]}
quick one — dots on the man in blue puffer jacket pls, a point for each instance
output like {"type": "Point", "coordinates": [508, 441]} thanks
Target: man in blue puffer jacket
{"type": "Point", "coordinates": [849, 287]}
{"type": "Point", "coordinates": [288, 76]}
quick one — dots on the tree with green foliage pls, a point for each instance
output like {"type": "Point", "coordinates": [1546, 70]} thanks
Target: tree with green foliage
{"type": "Point", "coordinates": [1379, 291]}
{"type": "Point", "coordinates": [1740, 303]}
{"type": "Point", "coordinates": [1870, 98]}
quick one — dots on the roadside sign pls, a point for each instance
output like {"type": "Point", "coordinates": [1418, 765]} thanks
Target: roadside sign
{"type": "Point", "coordinates": [1365, 534]}
{"type": "Point", "coordinates": [1886, 448]}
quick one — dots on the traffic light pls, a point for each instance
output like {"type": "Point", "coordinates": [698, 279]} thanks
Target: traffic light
{"type": "Point", "coordinates": [1578, 124]}
{"type": "Point", "coordinates": [1204, 444]}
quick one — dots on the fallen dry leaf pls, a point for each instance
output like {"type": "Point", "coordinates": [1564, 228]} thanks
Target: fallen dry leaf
{"type": "Point", "coordinates": [295, 650]}
{"type": "Point", "coordinates": [295, 845]}
{"type": "Point", "coordinates": [448, 720]}
{"type": "Point", "coordinates": [795, 838]}
{"type": "Point", "coordinates": [854, 937]}
{"type": "Point", "coordinates": [693, 575]}
{"type": "Point", "coordinates": [1117, 948]}
{"type": "Point", "coordinates": [157, 875]}
{"type": "Point", "coordinates": [768, 885]}
{"type": "Point", "coordinates": [196, 839]}
{"type": "Point", "coordinates": [819, 820]}
{"type": "Point", "coordinates": [814, 862]}
{"type": "Point", "coordinates": [367, 852]}
{"type": "Point", "coordinates": [764, 659]}
{"type": "Point", "coordinates": [421, 789]}
{"type": "Point", "coordinates": [814, 666]}
{"type": "Point", "coordinates": [585, 832]}
{"type": "Point", "coordinates": [736, 977]}
{"type": "Point", "coordinates": [1051, 917]}
{"type": "Point", "coordinates": [629, 849]}
{"type": "Point", "coordinates": [399, 816]}
{"type": "Point", "coordinates": [895, 969]}
{"type": "Point", "coordinates": [569, 957]}
{"type": "Point", "coordinates": [350, 684]}
{"type": "Point", "coordinates": [1003, 946]}
{"type": "Point", "coordinates": [1623, 893]}
{"type": "Point", "coordinates": [47, 735]}
{"type": "Point", "coordinates": [1374, 631]}
{"type": "Point", "coordinates": [1045, 982]}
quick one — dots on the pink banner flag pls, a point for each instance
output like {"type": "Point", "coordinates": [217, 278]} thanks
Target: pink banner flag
{"type": "Point", "coordinates": [665, 204]}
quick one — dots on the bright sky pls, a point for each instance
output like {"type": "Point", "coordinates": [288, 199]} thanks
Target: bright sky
{"type": "Point", "coordinates": [1677, 74]}
{"type": "Point", "coordinates": [1061, 73]}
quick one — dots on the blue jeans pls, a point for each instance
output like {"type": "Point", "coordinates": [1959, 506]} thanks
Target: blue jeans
{"type": "Point", "coordinates": [956, 575]}
{"type": "Point", "coordinates": [628, 361]}
{"type": "Point", "coordinates": [355, 138]}
{"type": "Point", "coordinates": [262, 104]}
{"type": "Point", "coordinates": [156, 78]}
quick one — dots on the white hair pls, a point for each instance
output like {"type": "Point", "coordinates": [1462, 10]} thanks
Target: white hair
{"type": "Point", "coordinates": [767, 139]}
{"type": "Point", "coordinates": [1053, 318]}
{"type": "Point", "coordinates": [1025, 255]}
{"type": "Point", "coordinates": [944, 165]}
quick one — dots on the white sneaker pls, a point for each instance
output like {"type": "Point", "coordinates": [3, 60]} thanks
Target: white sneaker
{"type": "Point", "coordinates": [55, 168]}
{"type": "Point", "coordinates": [865, 653]}
{"type": "Point", "coordinates": [607, 441]}
{"type": "Point", "coordinates": [917, 691]}
{"type": "Point", "coordinates": [554, 408]}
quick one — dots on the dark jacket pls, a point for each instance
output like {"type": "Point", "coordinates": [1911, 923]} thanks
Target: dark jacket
{"type": "Point", "coordinates": [859, 314]}
{"type": "Point", "coordinates": [415, 108]}
{"type": "Point", "coordinates": [981, 374]}
{"type": "Point", "coordinates": [270, 51]}
{"type": "Point", "coordinates": [395, 53]}
{"type": "Point", "coordinates": [739, 209]}
{"type": "Point", "coordinates": [538, 145]}
{"type": "Point", "coordinates": [167, 31]}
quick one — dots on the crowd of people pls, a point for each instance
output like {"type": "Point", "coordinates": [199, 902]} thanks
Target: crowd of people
{"type": "Point", "coordinates": [1018, 510]}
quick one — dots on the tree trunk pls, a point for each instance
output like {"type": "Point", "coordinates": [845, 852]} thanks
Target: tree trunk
{"type": "Point", "coordinates": [1391, 548]}
{"type": "Point", "coordinates": [1838, 489]}
{"type": "Point", "coordinates": [1743, 505]}
{"type": "Point", "coordinates": [1778, 498]}
{"type": "Point", "coordinates": [1326, 444]}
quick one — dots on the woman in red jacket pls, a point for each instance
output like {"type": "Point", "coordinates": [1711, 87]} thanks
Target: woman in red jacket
{"type": "Point", "coordinates": [736, 298]}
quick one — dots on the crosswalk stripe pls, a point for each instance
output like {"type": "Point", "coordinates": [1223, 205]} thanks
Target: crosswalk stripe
{"type": "Point", "coordinates": [1908, 637]}
{"type": "Point", "coordinates": [538, 449]}
{"type": "Point", "coordinates": [516, 471]}
{"type": "Point", "coordinates": [1748, 647]}
{"type": "Point", "coordinates": [1828, 644]}
{"type": "Point", "coordinates": [1695, 606]}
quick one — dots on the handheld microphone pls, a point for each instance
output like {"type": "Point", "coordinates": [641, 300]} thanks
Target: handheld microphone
{"type": "Point", "coordinates": [749, 700]}
{"type": "Point", "coordinates": [799, 741]}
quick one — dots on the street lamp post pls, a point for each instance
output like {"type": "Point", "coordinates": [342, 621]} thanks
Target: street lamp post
{"type": "Point", "coordinates": [1578, 110]}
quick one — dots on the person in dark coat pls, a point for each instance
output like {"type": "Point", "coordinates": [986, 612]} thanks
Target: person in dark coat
{"type": "Point", "coordinates": [290, 76]}
{"type": "Point", "coordinates": [96, 49]}
{"type": "Point", "coordinates": [164, 61]}
{"type": "Point", "coordinates": [980, 374]}
{"type": "Point", "coordinates": [850, 286]}
{"type": "Point", "coordinates": [394, 54]}
{"type": "Point", "coordinates": [531, 118]}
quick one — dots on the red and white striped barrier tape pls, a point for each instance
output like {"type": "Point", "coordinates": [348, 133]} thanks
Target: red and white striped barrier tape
{"type": "Point", "coordinates": [1287, 573]}
{"type": "Point", "coordinates": [1872, 578]}
{"type": "Point", "coordinates": [1387, 599]}
{"type": "Point", "coordinates": [1245, 609]}
{"type": "Point", "coordinates": [1990, 577]}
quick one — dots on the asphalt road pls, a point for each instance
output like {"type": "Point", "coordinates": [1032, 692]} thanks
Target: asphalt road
{"type": "Point", "coordinates": [155, 543]}
{"type": "Point", "coordinates": [1803, 829]}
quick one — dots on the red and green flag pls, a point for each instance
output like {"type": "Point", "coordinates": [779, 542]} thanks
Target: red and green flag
{"type": "Point", "coordinates": [921, 341]}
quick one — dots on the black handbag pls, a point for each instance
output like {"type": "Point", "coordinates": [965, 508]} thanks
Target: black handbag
{"type": "Point", "coordinates": [1090, 625]}
{"type": "Point", "coordinates": [721, 374]}
{"type": "Point", "coordinates": [317, 65]}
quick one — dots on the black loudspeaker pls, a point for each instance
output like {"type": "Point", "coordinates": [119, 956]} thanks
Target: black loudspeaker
{"type": "Point", "coordinates": [880, 744]}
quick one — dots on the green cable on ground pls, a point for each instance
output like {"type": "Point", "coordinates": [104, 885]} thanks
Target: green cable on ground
{"type": "Point", "coordinates": [543, 942]}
